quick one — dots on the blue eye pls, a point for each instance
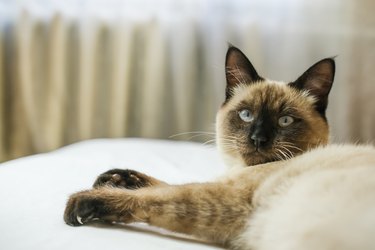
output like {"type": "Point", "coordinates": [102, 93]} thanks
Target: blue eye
{"type": "Point", "coordinates": [285, 121]}
{"type": "Point", "coordinates": [246, 115]}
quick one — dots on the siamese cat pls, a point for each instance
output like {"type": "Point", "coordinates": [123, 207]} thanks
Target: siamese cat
{"type": "Point", "coordinates": [286, 188]}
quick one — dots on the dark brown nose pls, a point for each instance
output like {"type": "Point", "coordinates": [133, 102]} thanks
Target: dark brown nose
{"type": "Point", "coordinates": [258, 139]}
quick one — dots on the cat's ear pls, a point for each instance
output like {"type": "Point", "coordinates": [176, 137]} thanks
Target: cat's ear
{"type": "Point", "coordinates": [238, 70]}
{"type": "Point", "coordinates": [317, 80]}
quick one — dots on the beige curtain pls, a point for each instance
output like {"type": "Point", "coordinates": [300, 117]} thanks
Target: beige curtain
{"type": "Point", "coordinates": [74, 71]}
{"type": "Point", "coordinates": [2, 109]}
{"type": "Point", "coordinates": [360, 74]}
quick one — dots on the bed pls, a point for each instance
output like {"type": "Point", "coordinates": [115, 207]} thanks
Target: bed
{"type": "Point", "coordinates": [34, 190]}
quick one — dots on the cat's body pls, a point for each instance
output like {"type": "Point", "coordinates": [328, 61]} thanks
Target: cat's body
{"type": "Point", "coordinates": [324, 199]}
{"type": "Point", "coordinates": [321, 199]}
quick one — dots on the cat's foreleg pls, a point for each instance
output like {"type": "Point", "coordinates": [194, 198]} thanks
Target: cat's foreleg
{"type": "Point", "coordinates": [126, 178]}
{"type": "Point", "coordinates": [211, 211]}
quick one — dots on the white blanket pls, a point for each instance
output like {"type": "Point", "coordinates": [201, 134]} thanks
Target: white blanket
{"type": "Point", "coordinates": [34, 190]}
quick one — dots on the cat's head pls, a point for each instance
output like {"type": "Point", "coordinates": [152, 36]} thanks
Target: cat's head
{"type": "Point", "coordinates": [263, 120]}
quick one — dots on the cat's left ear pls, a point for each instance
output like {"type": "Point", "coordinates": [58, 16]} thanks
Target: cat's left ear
{"type": "Point", "coordinates": [317, 80]}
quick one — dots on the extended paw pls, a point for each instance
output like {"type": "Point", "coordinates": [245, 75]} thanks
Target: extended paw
{"type": "Point", "coordinates": [103, 204]}
{"type": "Point", "coordinates": [83, 207]}
{"type": "Point", "coordinates": [129, 179]}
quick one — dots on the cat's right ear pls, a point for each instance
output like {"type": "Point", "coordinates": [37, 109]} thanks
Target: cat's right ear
{"type": "Point", "coordinates": [238, 70]}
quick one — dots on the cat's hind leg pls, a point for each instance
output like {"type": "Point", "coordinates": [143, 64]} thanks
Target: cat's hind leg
{"type": "Point", "coordinates": [126, 178]}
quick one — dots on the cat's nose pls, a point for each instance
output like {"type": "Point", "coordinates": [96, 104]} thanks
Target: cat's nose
{"type": "Point", "coordinates": [258, 139]}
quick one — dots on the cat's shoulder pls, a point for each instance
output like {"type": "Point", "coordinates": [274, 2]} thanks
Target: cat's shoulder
{"type": "Point", "coordinates": [335, 150]}
{"type": "Point", "coordinates": [332, 156]}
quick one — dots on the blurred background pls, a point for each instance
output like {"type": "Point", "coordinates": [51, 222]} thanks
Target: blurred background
{"type": "Point", "coordinates": [72, 70]}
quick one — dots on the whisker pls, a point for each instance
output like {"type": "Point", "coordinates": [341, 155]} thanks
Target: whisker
{"type": "Point", "coordinates": [193, 132]}
{"type": "Point", "coordinates": [278, 156]}
{"type": "Point", "coordinates": [283, 153]}
{"type": "Point", "coordinates": [287, 151]}
{"type": "Point", "coordinates": [194, 136]}
{"type": "Point", "coordinates": [297, 148]}
{"type": "Point", "coordinates": [290, 146]}
{"type": "Point", "coordinates": [209, 141]}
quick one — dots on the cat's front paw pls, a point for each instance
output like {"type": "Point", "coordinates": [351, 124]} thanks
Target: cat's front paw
{"type": "Point", "coordinates": [103, 204]}
{"type": "Point", "coordinates": [129, 179]}
{"type": "Point", "coordinates": [84, 207]}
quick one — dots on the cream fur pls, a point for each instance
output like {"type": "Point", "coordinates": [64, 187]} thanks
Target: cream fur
{"type": "Point", "coordinates": [324, 199]}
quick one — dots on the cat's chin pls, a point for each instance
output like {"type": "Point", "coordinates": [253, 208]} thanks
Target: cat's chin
{"type": "Point", "coordinates": [257, 157]}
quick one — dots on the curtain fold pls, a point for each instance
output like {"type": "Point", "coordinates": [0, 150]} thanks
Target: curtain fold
{"type": "Point", "coordinates": [2, 102]}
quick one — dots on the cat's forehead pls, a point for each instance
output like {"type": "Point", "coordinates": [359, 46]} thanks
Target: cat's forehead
{"type": "Point", "coordinates": [273, 94]}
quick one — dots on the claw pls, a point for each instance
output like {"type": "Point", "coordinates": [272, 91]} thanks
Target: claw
{"type": "Point", "coordinates": [116, 177]}
{"type": "Point", "coordinates": [79, 219]}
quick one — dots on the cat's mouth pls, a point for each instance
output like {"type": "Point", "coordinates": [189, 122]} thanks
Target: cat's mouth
{"type": "Point", "coordinates": [257, 151]}
{"type": "Point", "coordinates": [252, 155]}
{"type": "Point", "coordinates": [257, 156]}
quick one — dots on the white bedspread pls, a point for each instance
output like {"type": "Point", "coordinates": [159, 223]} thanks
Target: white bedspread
{"type": "Point", "coordinates": [34, 190]}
